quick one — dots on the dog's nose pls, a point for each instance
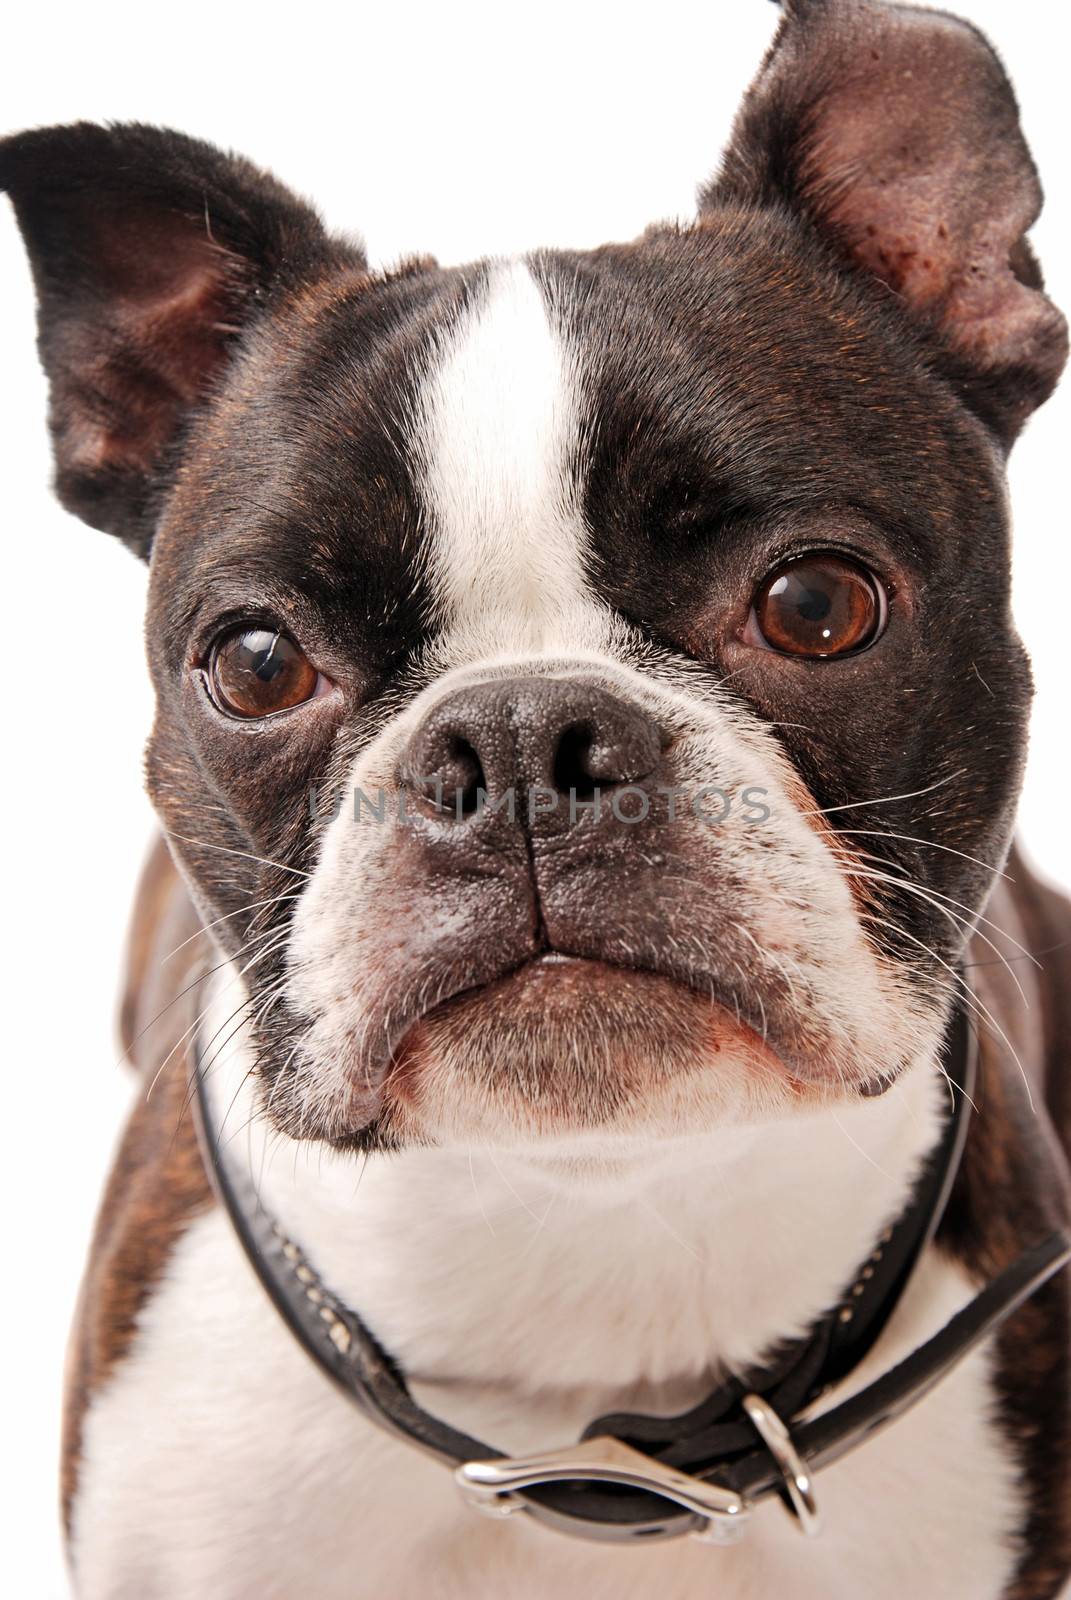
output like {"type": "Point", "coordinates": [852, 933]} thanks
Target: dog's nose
{"type": "Point", "coordinates": [562, 737]}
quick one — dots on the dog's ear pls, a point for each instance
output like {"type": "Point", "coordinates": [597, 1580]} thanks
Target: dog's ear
{"type": "Point", "coordinates": [894, 132]}
{"type": "Point", "coordinates": [151, 253]}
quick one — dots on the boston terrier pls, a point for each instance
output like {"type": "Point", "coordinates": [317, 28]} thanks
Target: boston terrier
{"type": "Point", "coordinates": [603, 1064]}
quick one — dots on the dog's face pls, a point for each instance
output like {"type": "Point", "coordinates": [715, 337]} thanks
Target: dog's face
{"type": "Point", "coordinates": [587, 692]}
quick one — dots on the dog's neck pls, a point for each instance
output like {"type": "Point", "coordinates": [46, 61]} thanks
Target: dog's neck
{"type": "Point", "coordinates": [522, 1292]}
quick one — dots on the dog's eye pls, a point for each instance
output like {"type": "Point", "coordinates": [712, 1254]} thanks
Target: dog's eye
{"type": "Point", "coordinates": [819, 605]}
{"type": "Point", "coordinates": [255, 671]}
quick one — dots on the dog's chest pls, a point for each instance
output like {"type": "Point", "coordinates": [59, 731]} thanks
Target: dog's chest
{"type": "Point", "coordinates": [218, 1461]}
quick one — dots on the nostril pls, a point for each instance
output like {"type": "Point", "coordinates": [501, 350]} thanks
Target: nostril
{"type": "Point", "coordinates": [454, 783]}
{"type": "Point", "coordinates": [602, 752]}
{"type": "Point", "coordinates": [572, 761]}
{"type": "Point", "coordinates": [468, 776]}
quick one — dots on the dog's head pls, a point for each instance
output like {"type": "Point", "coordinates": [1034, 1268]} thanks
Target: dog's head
{"type": "Point", "coordinates": [587, 692]}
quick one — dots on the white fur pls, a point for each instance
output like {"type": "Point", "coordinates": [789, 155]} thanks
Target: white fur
{"type": "Point", "coordinates": [218, 1462]}
{"type": "Point", "coordinates": [497, 432]}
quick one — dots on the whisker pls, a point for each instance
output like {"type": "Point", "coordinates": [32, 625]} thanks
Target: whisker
{"type": "Point", "coordinates": [280, 938]}
{"type": "Point", "coordinates": [907, 882]}
{"type": "Point", "coordinates": [479, 1197]}
{"type": "Point", "coordinates": [1048, 950]}
{"type": "Point", "coordinates": [253, 905]}
{"type": "Point", "coordinates": [885, 800]}
{"type": "Point", "coordinates": [969, 998]}
{"type": "Point", "coordinates": [910, 838]}
{"type": "Point", "coordinates": [856, 1145]}
{"type": "Point", "coordinates": [203, 844]}
{"type": "Point", "coordinates": [952, 916]}
{"type": "Point", "coordinates": [673, 1234]}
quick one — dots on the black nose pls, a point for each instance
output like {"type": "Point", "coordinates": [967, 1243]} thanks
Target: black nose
{"type": "Point", "coordinates": [561, 736]}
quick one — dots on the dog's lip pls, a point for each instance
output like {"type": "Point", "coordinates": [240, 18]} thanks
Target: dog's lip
{"type": "Point", "coordinates": [719, 999]}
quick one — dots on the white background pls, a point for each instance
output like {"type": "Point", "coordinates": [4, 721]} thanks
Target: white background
{"type": "Point", "coordinates": [457, 130]}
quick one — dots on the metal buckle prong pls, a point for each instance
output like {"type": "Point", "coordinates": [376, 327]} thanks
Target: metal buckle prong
{"type": "Point", "coordinates": [778, 1441]}
{"type": "Point", "coordinates": [491, 1486]}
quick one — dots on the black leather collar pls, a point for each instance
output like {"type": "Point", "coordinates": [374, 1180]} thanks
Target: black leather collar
{"type": "Point", "coordinates": [635, 1476]}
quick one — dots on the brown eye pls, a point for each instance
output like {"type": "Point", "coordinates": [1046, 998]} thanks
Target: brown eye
{"type": "Point", "coordinates": [255, 671]}
{"type": "Point", "coordinates": [819, 605]}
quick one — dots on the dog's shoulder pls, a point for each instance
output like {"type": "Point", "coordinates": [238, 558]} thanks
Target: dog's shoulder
{"type": "Point", "coordinates": [157, 1184]}
{"type": "Point", "coordinates": [1014, 1188]}
{"type": "Point", "coordinates": [1045, 917]}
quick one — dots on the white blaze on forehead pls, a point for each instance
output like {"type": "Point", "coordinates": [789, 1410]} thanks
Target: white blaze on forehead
{"type": "Point", "coordinates": [498, 437]}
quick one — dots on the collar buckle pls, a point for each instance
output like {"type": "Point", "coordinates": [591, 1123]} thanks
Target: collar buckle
{"type": "Point", "coordinates": [799, 1485]}
{"type": "Point", "coordinates": [493, 1487]}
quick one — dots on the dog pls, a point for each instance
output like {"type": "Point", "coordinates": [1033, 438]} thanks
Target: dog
{"type": "Point", "coordinates": [586, 964]}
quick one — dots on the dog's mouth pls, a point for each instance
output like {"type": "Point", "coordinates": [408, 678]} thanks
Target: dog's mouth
{"type": "Point", "coordinates": [625, 1022]}
{"type": "Point", "coordinates": [559, 1028]}
{"type": "Point", "coordinates": [555, 984]}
